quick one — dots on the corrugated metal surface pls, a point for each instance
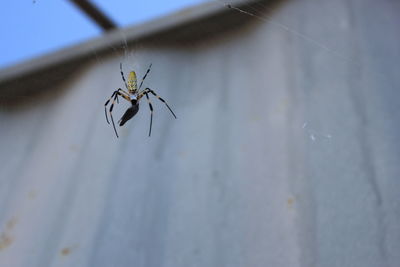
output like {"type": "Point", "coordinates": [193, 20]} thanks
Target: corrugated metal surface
{"type": "Point", "coordinates": [283, 154]}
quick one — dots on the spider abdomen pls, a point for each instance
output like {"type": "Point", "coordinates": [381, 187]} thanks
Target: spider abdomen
{"type": "Point", "coordinates": [129, 113]}
{"type": "Point", "coordinates": [132, 82]}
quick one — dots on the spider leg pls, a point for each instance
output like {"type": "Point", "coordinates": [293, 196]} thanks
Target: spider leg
{"type": "Point", "coordinates": [144, 77]}
{"type": "Point", "coordinates": [114, 96]}
{"type": "Point", "coordinates": [105, 105]}
{"type": "Point", "coordinates": [122, 74]}
{"type": "Point", "coordinates": [151, 111]}
{"type": "Point", "coordinates": [112, 119]}
{"type": "Point", "coordinates": [162, 100]}
{"type": "Point", "coordinates": [116, 92]}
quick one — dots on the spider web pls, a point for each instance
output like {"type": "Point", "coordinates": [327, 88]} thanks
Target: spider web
{"type": "Point", "coordinates": [259, 11]}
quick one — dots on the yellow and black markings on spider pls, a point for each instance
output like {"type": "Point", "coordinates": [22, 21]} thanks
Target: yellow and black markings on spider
{"type": "Point", "coordinates": [133, 96]}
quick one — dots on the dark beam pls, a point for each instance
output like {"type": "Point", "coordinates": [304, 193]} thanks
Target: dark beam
{"type": "Point", "coordinates": [95, 14]}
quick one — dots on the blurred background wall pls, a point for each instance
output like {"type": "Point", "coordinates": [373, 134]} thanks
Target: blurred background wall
{"type": "Point", "coordinates": [285, 151]}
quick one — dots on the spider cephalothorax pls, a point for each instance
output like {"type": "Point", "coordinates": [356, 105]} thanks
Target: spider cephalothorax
{"type": "Point", "coordinates": [133, 96]}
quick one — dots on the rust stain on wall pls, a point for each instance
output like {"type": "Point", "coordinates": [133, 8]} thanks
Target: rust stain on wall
{"type": "Point", "coordinates": [11, 223]}
{"type": "Point", "coordinates": [290, 203]}
{"type": "Point", "coordinates": [32, 194]}
{"type": "Point", "coordinates": [6, 238]}
{"type": "Point", "coordinates": [68, 250]}
{"type": "Point", "coordinates": [65, 251]}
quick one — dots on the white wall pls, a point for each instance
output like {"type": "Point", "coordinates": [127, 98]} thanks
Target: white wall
{"type": "Point", "coordinates": [283, 153]}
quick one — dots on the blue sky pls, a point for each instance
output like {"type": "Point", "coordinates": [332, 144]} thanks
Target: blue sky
{"type": "Point", "coordinates": [30, 28]}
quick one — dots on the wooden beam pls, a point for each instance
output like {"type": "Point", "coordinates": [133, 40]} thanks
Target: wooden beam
{"type": "Point", "coordinates": [95, 14]}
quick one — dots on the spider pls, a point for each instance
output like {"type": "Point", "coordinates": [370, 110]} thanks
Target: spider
{"type": "Point", "coordinates": [133, 96]}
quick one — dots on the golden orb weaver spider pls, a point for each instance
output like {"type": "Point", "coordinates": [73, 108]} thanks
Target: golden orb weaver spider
{"type": "Point", "coordinates": [133, 96]}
